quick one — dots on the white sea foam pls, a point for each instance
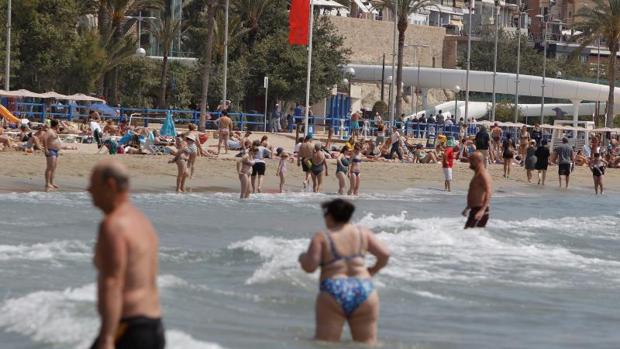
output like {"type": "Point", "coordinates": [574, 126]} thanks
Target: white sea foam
{"type": "Point", "coordinates": [280, 257]}
{"type": "Point", "coordinates": [438, 249]}
{"type": "Point", "coordinates": [67, 318]}
{"type": "Point", "coordinates": [55, 250]}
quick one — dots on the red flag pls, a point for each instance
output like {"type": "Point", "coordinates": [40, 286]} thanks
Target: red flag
{"type": "Point", "coordinates": [299, 21]}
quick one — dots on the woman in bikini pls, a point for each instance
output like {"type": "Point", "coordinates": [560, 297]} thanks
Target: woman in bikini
{"type": "Point", "coordinates": [244, 170]}
{"type": "Point", "coordinates": [354, 170]}
{"type": "Point", "coordinates": [342, 168]}
{"type": "Point", "coordinates": [318, 165]}
{"type": "Point", "coordinates": [181, 157]}
{"type": "Point", "coordinates": [524, 141]}
{"type": "Point", "coordinates": [347, 293]}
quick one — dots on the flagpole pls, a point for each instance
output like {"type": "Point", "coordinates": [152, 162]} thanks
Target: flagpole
{"type": "Point", "coordinates": [309, 67]}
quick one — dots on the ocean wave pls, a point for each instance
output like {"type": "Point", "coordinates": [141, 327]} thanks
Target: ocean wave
{"type": "Point", "coordinates": [438, 249]}
{"type": "Point", "coordinates": [68, 319]}
{"type": "Point", "coordinates": [55, 250]}
{"type": "Point", "coordinates": [280, 256]}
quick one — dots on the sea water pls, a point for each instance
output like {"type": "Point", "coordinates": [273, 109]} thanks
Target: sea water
{"type": "Point", "coordinates": [544, 274]}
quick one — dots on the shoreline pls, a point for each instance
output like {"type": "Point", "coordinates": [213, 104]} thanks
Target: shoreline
{"type": "Point", "coordinates": [151, 174]}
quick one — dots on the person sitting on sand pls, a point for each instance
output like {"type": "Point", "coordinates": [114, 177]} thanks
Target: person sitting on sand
{"type": "Point", "coordinates": [110, 129]}
{"type": "Point", "coordinates": [5, 141]}
{"type": "Point", "coordinates": [467, 149]}
{"type": "Point", "coordinates": [181, 158]}
{"type": "Point", "coordinates": [424, 156]}
{"type": "Point", "coordinates": [580, 159]}
{"type": "Point", "coordinates": [347, 293]}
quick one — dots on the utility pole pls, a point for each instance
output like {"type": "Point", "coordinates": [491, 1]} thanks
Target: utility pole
{"type": "Point", "coordinates": [383, 79]}
{"type": "Point", "coordinates": [518, 63]}
{"type": "Point", "coordinates": [225, 88]}
{"type": "Point", "coordinates": [471, 9]}
{"type": "Point", "coordinates": [7, 68]}
{"type": "Point", "coordinates": [542, 99]}
{"type": "Point", "coordinates": [392, 85]}
{"type": "Point", "coordinates": [497, 9]}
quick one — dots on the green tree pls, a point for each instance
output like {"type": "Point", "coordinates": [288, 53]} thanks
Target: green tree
{"type": "Point", "coordinates": [165, 30]}
{"type": "Point", "coordinates": [602, 21]}
{"type": "Point", "coordinates": [405, 9]}
{"type": "Point", "coordinates": [250, 13]}
{"type": "Point", "coordinates": [212, 7]}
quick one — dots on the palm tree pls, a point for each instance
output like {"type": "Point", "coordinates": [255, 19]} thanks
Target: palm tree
{"type": "Point", "coordinates": [602, 21]}
{"type": "Point", "coordinates": [405, 8]}
{"type": "Point", "coordinates": [165, 30]}
{"type": "Point", "coordinates": [250, 12]}
{"type": "Point", "coordinates": [211, 10]}
{"type": "Point", "coordinates": [116, 34]}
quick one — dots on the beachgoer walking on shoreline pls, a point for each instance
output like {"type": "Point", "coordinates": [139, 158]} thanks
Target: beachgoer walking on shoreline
{"type": "Point", "coordinates": [597, 165]}
{"type": "Point", "coordinates": [126, 254]}
{"type": "Point", "coordinates": [355, 170]}
{"type": "Point", "coordinates": [496, 143]}
{"type": "Point", "coordinates": [342, 168]}
{"type": "Point", "coordinates": [482, 143]}
{"type": "Point", "coordinates": [530, 160]}
{"type": "Point", "coordinates": [259, 167]}
{"type": "Point", "coordinates": [447, 163]}
{"type": "Point", "coordinates": [318, 165]}
{"type": "Point", "coordinates": [244, 169]}
{"type": "Point", "coordinates": [282, 170]}
{"type": "Point", "coordinates": [396, 144]}
{"type": "Point", "coordinates": [347, 293]}
{"type": "Point", "coordinates": [508, 153]}
{"type": "Point", "coordinates": [181, 158]}
{"type": "Point", "coordinates": [479, 194]}
{"type": "Point", "coordinates": [225, 129]}
{"type": "Point", "coordinates": [304, 158]}
{"type": "Point", "coordinates": [564, 157]}
{"type": "Point", "coordinates": [192, 151]}
{"type": "Point", "coordinates": [542, 161]}
{"type": "Point", "coordinates": [524, 140]}
{"type": "Point", "coordinates": [51, 148]}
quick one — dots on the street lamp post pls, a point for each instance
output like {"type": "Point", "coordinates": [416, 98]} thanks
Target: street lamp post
{"type": "Point", "coordinates": [598, 75]}
{"type": "Point", "coordinates": [225, 87]}
{"type": "Point", "coordinates": [392, 87]}
{"type": "Point", "coordinates": [7, 68]}
{"type": "Point", "coordinates": [457, 89]}
{"type": "Point", "coordinates": [389, 81]}
{"type": "Point", "coordinates": [497, 9]}
{"type": "Point", "coordinates": [542, 99]}
{"type": "Point", "coordinates": [139, 18]}
{"type": "Point", "coordinates": [516, 113]}
{"type": "Point", "coordinates": [471, 9]}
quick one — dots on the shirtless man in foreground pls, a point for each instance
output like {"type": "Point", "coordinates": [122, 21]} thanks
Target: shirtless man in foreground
{"type": "Point", "coordinates": [126, 261]}
{"type": "Point", "coordinates": [225, 131]}
{"type": "Point", "coordinates": [479, 194]}
{"type": "Point", "coordinates": [51, 147]}
{"type": "Point", "coordinates": [304, 158]}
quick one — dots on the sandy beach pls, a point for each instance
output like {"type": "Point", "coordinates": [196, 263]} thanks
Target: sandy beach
{"type": "Point", "coordinates": [23, 173]}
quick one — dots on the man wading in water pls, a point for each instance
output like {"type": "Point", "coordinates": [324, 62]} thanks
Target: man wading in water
{"type": "Point", "coordinates": [479, 194]}
{"type": "Point", "coordinates": [126, 261]}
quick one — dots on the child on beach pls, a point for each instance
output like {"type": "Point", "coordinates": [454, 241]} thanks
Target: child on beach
{"type": "Point", "coordinates": [447, 163]}
{"type": "Point", "coordinates": [244, 170]}
{"type": "Point", "coordinates": [181, 158]}
{"type": "Point", "coordinates": [597, 165]}
{"type": "Point", "coordinates": [282, 169]}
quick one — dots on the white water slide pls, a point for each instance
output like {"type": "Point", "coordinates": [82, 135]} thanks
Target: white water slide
{"type": "Point", "coordinates": [482, 81]}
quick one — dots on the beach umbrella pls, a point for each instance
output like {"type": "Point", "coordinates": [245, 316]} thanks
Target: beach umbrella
{"type": "Point", "coordinates": [103, 109]}
{"type": "Point", "coordinates": [84, 98]}
{"type": "Point", "coordinates": [53, 95]}
{"type": "Point", "coordinates": [168, 129]}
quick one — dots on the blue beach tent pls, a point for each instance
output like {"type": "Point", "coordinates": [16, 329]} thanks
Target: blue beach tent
{"type": "Point", "coordinates": [168, 129]}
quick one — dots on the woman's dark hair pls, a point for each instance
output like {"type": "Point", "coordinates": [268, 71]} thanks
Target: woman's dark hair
{"type": "Point", "coordinates": [340, 210]}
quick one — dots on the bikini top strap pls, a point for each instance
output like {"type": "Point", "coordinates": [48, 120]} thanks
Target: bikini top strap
{"type": "Point", "coordinates": [361, 235]}
{"type": "Point", "coordinates": [332, 248]}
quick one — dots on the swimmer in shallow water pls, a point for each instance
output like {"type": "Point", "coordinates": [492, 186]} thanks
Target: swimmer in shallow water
{"type": "Point", "coordinates": [347, 293]}
{"type": "Point", "coordinates": [479, 194]}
